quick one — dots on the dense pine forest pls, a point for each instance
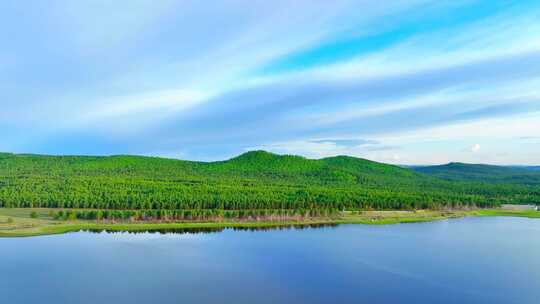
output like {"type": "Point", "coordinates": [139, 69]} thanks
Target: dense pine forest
{"type": "Point", "coordinates": [258, 181]}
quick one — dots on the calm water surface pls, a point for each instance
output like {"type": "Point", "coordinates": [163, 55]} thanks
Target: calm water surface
{"type": "Point", "coordinates": [473, 260]}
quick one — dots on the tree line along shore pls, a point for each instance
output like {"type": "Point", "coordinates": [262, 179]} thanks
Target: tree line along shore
{"type": "Point", "coordinates": [22, 222]}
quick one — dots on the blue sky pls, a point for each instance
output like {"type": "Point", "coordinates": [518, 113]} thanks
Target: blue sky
{"type": "Point", "coordinates": [397, 81]}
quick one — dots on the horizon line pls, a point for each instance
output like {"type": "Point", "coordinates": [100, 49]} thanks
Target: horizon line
{"type": "Point", "coordinates": [260, 150]}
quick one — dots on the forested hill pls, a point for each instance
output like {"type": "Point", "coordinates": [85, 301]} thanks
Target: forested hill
{"type": "Point", "coordinates": [484, 173]}
{"type": "Point", "coordinates": [254, 180]}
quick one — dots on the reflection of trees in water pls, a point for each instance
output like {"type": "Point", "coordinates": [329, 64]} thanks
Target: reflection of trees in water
{"type": "Point", "coordinates": [206, 230]}
{"type": "Point", "coordinates": [285, 227]}
{"type": "Point", "coordinates": [197, 230]}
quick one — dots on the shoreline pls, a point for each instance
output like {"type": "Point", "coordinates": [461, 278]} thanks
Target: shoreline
{"type": "Point", "coordinates": [25, 226]}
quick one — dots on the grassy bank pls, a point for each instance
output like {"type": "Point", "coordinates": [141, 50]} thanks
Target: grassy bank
{"type": "Point", "coordinates": [15, 222]}
{"type": "Point", "coordinates": [502, 212]}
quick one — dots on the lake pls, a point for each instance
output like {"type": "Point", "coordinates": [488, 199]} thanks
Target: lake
{"type": "Point", "coordinates": [469, 260]}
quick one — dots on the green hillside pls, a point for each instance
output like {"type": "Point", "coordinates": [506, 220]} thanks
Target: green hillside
{"type": "Point", "coordinates": [484, 173]}
{"type": "Point", "coordinates": [254, 180]}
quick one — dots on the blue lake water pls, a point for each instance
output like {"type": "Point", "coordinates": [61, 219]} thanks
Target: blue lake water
{"type": "Point", "coordinates": [470, 260]}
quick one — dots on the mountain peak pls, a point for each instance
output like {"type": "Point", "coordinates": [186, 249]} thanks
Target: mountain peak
{"type": "Point", "coordinates": [255, 154]}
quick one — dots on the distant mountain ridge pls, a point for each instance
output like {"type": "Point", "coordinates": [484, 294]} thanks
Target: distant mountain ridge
{"type": "Point", "coordinates": [534, 168]}
{"type": "Point", "coordinates": [483, 173]}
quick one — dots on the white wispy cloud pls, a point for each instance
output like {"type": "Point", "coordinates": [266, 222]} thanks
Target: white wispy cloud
{"type": "Point", "coordinates": [142, 106]}
{"type": "Point", "coordinates": [475, 148]}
